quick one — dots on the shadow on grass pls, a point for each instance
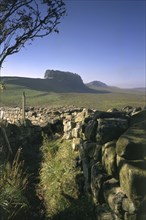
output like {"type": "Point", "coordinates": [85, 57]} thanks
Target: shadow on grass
{"type": "Point", "coordinates": [47, 85]}
{"type": "Point", "coordinates": [80, 209]}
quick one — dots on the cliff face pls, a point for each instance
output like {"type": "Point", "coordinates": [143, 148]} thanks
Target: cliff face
{"type": "Point", "coordinates": [65, 80]}
{"type": "Point", "coordinates": [61, 75]}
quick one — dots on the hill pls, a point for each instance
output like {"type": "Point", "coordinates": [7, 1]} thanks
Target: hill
{"type": "Point", "coordinates": [142, 89]}
{"type": "Point", "coordinates": [97, 84]}
{"type": "Point", "coordinates": [54, 81]}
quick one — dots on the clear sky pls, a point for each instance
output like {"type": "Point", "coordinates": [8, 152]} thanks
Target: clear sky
{"type": "Point", "coordinates": [99, 40]}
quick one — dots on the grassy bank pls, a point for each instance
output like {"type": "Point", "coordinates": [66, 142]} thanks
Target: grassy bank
{"type": "Point", "coordinates": [61, 183]}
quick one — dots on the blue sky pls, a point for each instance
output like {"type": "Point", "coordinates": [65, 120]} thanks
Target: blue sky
{"type": "Point", "coordinates": [99, 40]}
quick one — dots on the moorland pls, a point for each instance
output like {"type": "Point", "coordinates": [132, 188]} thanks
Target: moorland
{"type": "Point", "coordinates": [45, 93]}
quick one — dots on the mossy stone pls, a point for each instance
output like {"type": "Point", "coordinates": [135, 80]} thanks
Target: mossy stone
{"type": "Point", "coordinates": [132, 144]}
{"type": "Point", "coordinates": [133, 181]}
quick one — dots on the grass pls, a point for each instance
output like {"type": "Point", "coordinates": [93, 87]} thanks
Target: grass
{"type": "Point", "coordinates": [13, 182]}
{"type": "Point", "coordinates": [117, 98]}
{"type": "Point", "coordinates": [58, 183]}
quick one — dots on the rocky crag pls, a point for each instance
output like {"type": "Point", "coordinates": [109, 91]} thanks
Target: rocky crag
{"type": "Point", "coordinates": [112, 148]}
{"type": "Point", "coordinates": [67, 80]}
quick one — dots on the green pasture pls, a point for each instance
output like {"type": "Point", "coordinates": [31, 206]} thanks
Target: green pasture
{"type": "Point", "coordinates": [112, 98]}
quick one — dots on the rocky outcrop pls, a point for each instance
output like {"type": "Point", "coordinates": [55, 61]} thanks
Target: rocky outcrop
{"type": "Point", "coordinates": [67, 80]}
{"type": "Point", "coordinates": [61, 75]}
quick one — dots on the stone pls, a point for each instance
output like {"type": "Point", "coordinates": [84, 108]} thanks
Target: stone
{"type": "Point", "coordinates": [132, 144]}
{"type": "Point", "coordinates": [128, 206]}
{"type": "Point", "coordinates": [110, 128]}
{"type": "Point", "coordinates": [112, 110]}
{"type": "Point", "coordinates": [31, 113]}
{"type": "Point", "coordinates": [129, 216]}
{"type": "Point", "coordinates": [140, 216]}
{"type": "Point", "coordinates": [104, 213]}
{"type": "Point", "coordinates": [86, 167]}
{"type": "Point", "coordinates": [98, 177]}
{"type": "Point", "coordinates": [76, 144]}
{"type": "Point", "coordinates": [87, 174]}
{"type": "Point", "coordinates": [98, 153]}
{"type": "Point", "coordinates": [81, 116]}
{"type": "Point", "coordinates": [89, 148]}
{"type": "Point", "coordinates": [116, 114]}
{"type": "Point", "coordinates": [90, 130]}
{"type": "Point", "coordinates": [136, 216]}
{"type": "Point", "coordinates": [127, 109]}
{"type": "Point", "coordinates": [67, 118]}
{"type": "Point", "coordinates": [1, 114]}
{"type": "Point", "coordinates": [138, 117]}
{"type": "Point", "coordinates": [114, 196]}
{"type": "Point", "coordinates": [68, 125]}
{"type": "Point", "coordinates": [109, 158]}
{"type": "Point", "coordinates": [76, 132]}
{"type": "Point", "coordinates": [105, 216]}
{"type": "Point", "coordinates": [67, 136]}
{"type": "Point", "coordinates": [132, 177]}
{"type": "Point", "coordinates": [136, 110]}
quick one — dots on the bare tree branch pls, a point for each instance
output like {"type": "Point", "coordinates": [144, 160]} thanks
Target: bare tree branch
{"type": "Point", "coordinates": [22, 21]}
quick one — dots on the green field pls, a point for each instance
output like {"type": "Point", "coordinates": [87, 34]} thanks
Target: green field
{"type": "Point", "coordinates": [102, 100]}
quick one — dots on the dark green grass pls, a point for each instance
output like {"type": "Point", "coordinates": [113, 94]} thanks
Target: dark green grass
{"type": "Point", "coordinates": [117, 98]}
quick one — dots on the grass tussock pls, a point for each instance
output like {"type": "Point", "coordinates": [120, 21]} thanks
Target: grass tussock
{"type": "Point", "coordinates": [60, 183]}
{"type": "Point", "coordinates": [13, 182]}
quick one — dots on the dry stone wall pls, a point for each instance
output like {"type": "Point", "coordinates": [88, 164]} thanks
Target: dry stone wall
{"type": "Point", "coordinates": [37, 116]}
{"type": "Point", "coordinates": [112, 148]}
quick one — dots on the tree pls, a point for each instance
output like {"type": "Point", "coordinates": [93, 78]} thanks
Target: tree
{"type": "Point", "coordinates": [22, 21]}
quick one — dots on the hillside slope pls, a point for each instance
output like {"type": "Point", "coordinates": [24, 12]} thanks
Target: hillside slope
{"type": "Point", "coordinates": [97, 84]}
{"type": "Point", "coordinates": [59, 83]}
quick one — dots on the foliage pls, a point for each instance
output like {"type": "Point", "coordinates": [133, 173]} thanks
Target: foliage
{"type": "Point", "coordinates": [58, 182]}
{"type": "Point", "coordinates": [25, 20]}
{"type": "Point", "coordinates": [13, 182]}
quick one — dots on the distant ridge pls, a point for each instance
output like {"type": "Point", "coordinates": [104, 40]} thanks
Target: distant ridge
{"type": "Point", "coordinates": [97, 84]}
{"type": "Point", "coordinates": [54, 81]}
{"type": "Point", "coordinates": [140, 89]}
